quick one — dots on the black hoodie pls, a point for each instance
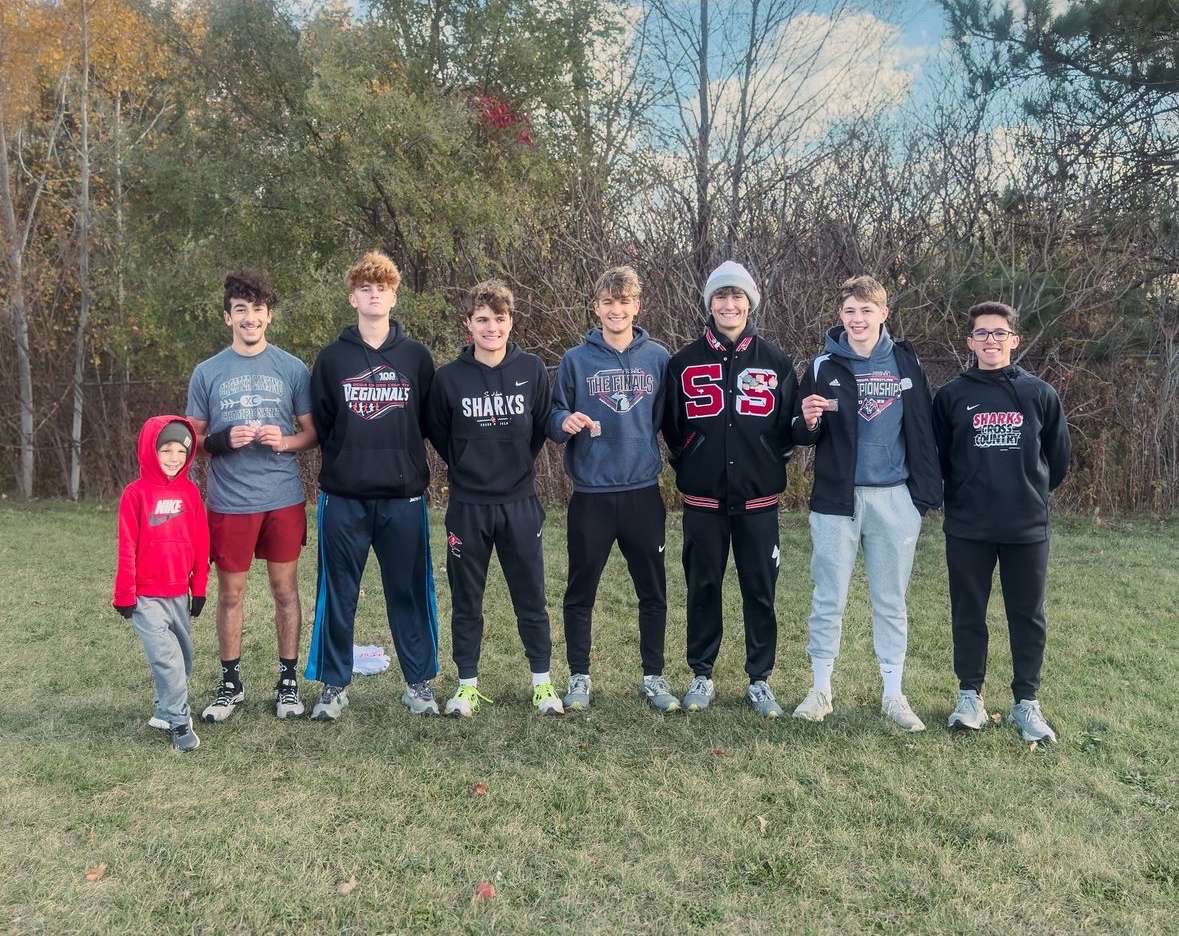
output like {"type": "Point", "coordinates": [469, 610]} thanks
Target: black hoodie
{"type": "Point", "coordinates": [368, 405]}
{"type": "Point", "coordinates": [488, 424]}
{"type": "Point", "coordinates": [1003, 441]}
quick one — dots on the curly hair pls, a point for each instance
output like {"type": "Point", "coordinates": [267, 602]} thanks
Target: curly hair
{"type": "Point", "coordinates": [492, 293]}
{"type": "Point", "coordinates": [251, 285]}
{"type": "Point", "coordinates": [374, 267]}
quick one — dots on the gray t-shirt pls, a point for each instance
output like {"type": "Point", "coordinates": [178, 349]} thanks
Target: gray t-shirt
{"type": "Point", "coordinates": [267, 389]}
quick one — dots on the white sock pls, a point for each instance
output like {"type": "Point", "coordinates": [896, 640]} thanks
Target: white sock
{"type": "Point", "coordinates": [822, 670]}
{"type": "Point", "coordinates": [891, 674]}
{"type": "Point", "coordinates": [473, 681]}
{"type": "Point", "coordinates": [539, 678]}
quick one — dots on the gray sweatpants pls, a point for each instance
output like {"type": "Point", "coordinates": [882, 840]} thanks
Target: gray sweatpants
{"type": "Point", "coordinates": [165, 628]}
{"type": "Point", "coordinates": [887, 524]}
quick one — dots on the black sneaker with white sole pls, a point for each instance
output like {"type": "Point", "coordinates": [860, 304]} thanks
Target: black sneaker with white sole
{"type": "Point", "coordinates": [229, 697]}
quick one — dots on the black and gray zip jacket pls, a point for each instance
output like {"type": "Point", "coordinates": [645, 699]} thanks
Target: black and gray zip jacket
{"type": "Point", "coordinates": [835, 437]}
{"type": "Point", "coordinates": [1003, 440]}
{"type": "Point", "coordinates": [488, 424]}
{"type": "Point", "coordinates": [727, 421]}
{"type": "Point", "coordinates": [368, 405]}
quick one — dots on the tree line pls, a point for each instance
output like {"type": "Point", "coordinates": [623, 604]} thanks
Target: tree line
{"type": "Point", "coordinates": [147, 147]}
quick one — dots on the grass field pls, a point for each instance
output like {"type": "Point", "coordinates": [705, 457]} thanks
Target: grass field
{"type": "Point", "coordinates": [614, 821]}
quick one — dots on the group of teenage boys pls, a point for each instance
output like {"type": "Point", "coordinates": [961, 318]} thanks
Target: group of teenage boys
{"type": "Point", "coordinates": [728, 406]}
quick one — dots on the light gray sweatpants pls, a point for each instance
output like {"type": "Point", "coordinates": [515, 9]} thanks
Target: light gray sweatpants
{"type": "Point", "coordinates": [164, 626]}
{"type": "Point", "coordinates": [887, 524]}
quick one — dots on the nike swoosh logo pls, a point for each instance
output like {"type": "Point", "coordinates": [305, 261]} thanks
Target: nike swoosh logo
{"type": "Point", "coordinates": [538, 533]}
{"type": "Point", "coordinates": [520, 383]}
{"type": "Point", "coordinates": [157, 520]}
{"type": "Point", "coordinates": [976, 406]}
{"type": "Point", "coordinates": [661, 549]}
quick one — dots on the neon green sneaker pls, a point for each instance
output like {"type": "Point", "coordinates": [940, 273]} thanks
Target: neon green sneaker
{"type": "Point", "coordinates": [546, 700]}
{"type": "Point", "coordinates": [465, 702]}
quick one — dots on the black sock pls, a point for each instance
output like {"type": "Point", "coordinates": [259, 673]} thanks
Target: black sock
{"type": "Point", "coordinates": [287, 669]}
{"type": "Point", "coordinates": [231, 672]}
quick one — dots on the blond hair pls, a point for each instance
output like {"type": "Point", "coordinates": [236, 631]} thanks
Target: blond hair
{"type": "Point", "coordinates": [374, 267]}
{"type": "Point", "coordinates": [864, 288]}
{"type": "Point", "coordinates": [617, 282]}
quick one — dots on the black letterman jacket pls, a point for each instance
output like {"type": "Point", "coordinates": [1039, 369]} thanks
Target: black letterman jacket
{"type": "Point", "coordinates": [835, 437]}
{"type": "Point", "coordinates": [729, 406]}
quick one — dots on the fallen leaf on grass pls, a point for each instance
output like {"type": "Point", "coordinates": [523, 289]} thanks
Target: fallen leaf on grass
{"type": "Point", "coordinates": [484, 891]}
{"type": "Point", "coordinates": [762, 823]}
{"type": "Point", "coordinates": [1032, 747]}
{"type": "Point", "coordinates": [344, 888]}
{"type": "Point", "coordinates": [96, 873]}
{"type": "Point", "coordinates": [479, 789]}
{"type": "Point", "coordinates": [717, 752]}
{"type": "Point", "coordinates": [996, 717]}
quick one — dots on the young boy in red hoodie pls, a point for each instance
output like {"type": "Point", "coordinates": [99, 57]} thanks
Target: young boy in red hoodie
{"type": "Point", "coordinates": [163, 559]}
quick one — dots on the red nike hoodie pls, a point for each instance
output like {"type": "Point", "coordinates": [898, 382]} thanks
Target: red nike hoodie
{"type": "Point", "coordinates": [163, 531]}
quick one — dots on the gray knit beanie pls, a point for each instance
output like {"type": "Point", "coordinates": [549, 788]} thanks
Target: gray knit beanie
{"type": "Point", "coordinates": [731, 273]}
{"type": "Point", "coordinates": [175, 431]}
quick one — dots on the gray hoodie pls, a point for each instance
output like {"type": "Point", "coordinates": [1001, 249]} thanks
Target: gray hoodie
{"type": "Point", "coordinates": [880, 440]}
{"type": "Point", "coordinates": [622, 390]}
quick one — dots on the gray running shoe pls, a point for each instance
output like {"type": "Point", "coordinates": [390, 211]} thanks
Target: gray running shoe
{"type": "Point", "coordinates": [184, 738]}
{"type": "Point", "coordinates": [815, 707]}
{"type": "Point", "coordinates": [287, 703]}
{"type": "Point", "coordinates": [969, 713]}
{"type": "Point", "coordinates": [577, 699]}
{"type": "Point", "coordinates": [898, 709]}
{"type": "Point", "coordinates": [229, 697]}
{"type": "Point", "coordinates": [658, 694]}
{"type": "Point", "coordinates": [700, 694]}
{"type": "Point", "coordinates": [331, 703]}
{"type": "Point", "coordinates": [762, 699]}
{"type": "Point", "coordinates": [419, 699]}
{"type": "Point", "coordinates": [1029, 720]}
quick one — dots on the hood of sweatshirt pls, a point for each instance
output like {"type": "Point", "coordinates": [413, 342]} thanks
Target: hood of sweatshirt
{"type": "Point", "coordinates": [1004, 377]}
{"type": "Point", "coordinates": [149, 462]}
{"type": "Point", "coordinates": [492, 377]}
{"type": "Point", "coordinates": [837, 344]}
{"type": "Point", "coordinates": [351, 334]}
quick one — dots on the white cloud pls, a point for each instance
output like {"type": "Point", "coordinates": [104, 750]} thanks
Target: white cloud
{"type": "Point", "coordinates": [817, 70]}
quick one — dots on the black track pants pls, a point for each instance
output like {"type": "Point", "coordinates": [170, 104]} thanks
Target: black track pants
{"type": "Point", "coordinates": [754, 537]}
{"type": "Point", "coordinates": [636, 520]}
{"type": "Point", "coordinates": [1023, 575]}
{"type": "Point", "coordinates": [514, 530]}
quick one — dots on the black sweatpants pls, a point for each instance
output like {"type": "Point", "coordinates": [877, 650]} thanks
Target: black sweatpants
{"type": "Point", "coordinates": [1023, 575]}
{"type": "Point", "coordinates": [514, 530]}
{"type": "Point", "coordinates": [636, 520]}
{"type": "Point", "coordinates": [754, 537]}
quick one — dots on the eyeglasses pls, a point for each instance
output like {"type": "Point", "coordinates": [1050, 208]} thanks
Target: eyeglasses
{"type": "Point", "coordinates": [999, 334]}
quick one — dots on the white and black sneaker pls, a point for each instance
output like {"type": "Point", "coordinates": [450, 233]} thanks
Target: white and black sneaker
{"type": "Point", "coordinates": [229, 697]}
{"type": "Point", "coordinates": [287, 703]}
{"type": "Point", "coordinates": [331, 703]}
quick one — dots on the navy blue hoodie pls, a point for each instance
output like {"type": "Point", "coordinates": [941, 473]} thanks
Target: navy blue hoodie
{"type": "Point", "coordinates": [623, 390]}
{"type": "Point", "coordinates": [368, 405]}
{"type": "Point", "coordinates": [488, 424]}
{"type": "Point", "coordinates": [1003, 441]}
